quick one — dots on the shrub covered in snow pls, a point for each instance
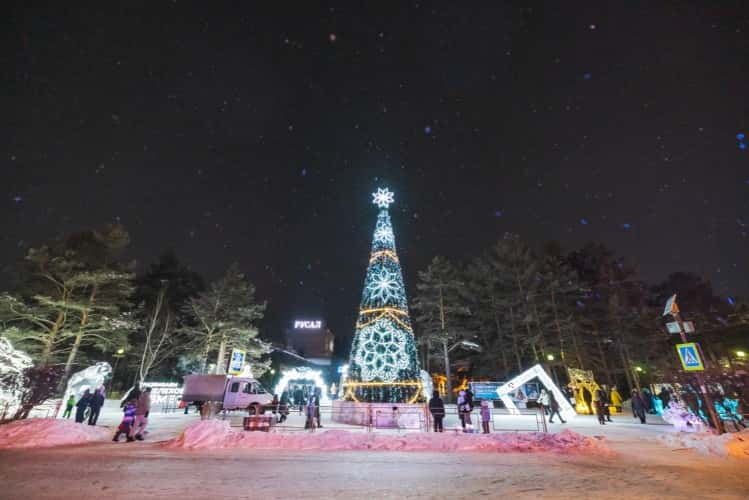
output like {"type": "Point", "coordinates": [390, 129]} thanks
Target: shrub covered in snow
{"type": "Point", "coordinates": [47, 432]}
{"type": "Point", "coordinates": [216, 434]}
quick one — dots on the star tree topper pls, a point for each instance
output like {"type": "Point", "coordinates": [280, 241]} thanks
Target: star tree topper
{"type": "Point", "coordinates": [383, 197]}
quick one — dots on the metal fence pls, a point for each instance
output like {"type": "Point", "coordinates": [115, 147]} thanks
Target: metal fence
{"type": "Point", "coordinates": [403, 420]}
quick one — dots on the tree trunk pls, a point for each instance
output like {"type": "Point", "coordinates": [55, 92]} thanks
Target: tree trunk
{"type": "Point", "coordinates": [576, 346]}
{"type": "Point", "coordinates": [627, 367]}
{"type": "Point", "coordinates": [78, 340]}
{"type": "Point", "coordinates": [515, 348]}
{"type": "Point", "coordinates": [502, 353]}
{"type": "Point", "coordinates": [52, 335]}
{"type": "Point", "coordinates": [449, 384]}
{"type": "Point", "coordinates": [221, 357]}
{"type": "Point", "coordinates": [605, 362]}
{"type": "Point", "coordinates": [558, 327]}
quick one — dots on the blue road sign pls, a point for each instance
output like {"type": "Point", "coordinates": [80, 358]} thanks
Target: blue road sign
{"type": "Point", "coordinates": [689, 355]}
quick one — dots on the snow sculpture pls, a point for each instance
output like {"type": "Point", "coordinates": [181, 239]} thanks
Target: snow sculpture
{"type": "Point", "coordinates": [91, 378]}
{"type": "Point", "coordinates": [12, 365]}
{"type": "Point", "coordinates": [504, 391]}
{"type": "Point", "coordinates": [427, 386]}
{"type": "Point", "coordinates": [680, 417]}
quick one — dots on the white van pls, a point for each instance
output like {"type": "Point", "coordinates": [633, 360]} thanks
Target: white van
{"type": "Point", "coordinates": [233, 393]}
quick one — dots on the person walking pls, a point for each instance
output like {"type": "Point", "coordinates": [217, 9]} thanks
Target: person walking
{"type": "Point", "coordinates": [461, 404]}
{"type": "Point", "coordinates": [616, 399]}
{"type": "Point", "coordinates": [283, 406]}
{"type": "Point", "coordinates": [315, 397]}
{"type": "Point", "coordinates": [97, 401]}
{"type": "Point", "coordinates": [437, 409]}
{"type": "Point", "coordinates": [81, 407]}
{"type": "Point", "coordinates": [142, 410]}
{"type": "Point", "coordinates": [486, 416]}
{"type": "Point", "coordinates": [299, 399]}
{"type": "Point", "coordinates": [598, 405]}
{"type": "Point", "coordinates": [310, 422]}
{"type": "Point", "coordinates": [543, 400]}
{"type": "Point", "coordinates": [606, 404]}
{"type": "Point", "coordinates": [69, 406]}
{"type": "Point", "coordinates": [554, 407]}
{"type": "Point", "coordinates": [638, 406]}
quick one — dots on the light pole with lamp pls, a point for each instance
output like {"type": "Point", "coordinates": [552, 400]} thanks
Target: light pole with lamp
{"type": "Point", "coordinates": [119, 354]}
{"type": "Point", "coordinates": [465, 344]}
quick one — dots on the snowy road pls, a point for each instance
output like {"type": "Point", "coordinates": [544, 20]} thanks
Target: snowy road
{"type": "Point", "coordinates": [147, 470]}
{"type": "Point", "coordinates": [641, 466]}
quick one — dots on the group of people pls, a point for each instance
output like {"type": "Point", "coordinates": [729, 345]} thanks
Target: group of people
{"type": "Point", "coordinates": [308, 403]}
{"type": "Point", "coordinates": [136, 407]}
{"type": "Point", "coordinates": [90, 403]}
{"type": "Point", "coordinates": [550, 405]}
{"type": "Point", "coordinates": [465, 407]}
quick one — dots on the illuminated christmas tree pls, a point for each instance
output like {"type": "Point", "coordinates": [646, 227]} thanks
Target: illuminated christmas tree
{"type": "Point", "coordinates": [384, 366]}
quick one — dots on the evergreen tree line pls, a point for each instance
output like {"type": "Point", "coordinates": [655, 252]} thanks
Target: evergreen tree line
{"type": "Point", "coordinates": [587, 309]}
{"type": "Point", "coordinates": [77, 300]}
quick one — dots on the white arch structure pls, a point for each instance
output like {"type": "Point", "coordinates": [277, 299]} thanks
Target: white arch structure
{"type": "Point", "coordinates": [565, 409]}
{"type": "Point", "coordinates": [303, 372]}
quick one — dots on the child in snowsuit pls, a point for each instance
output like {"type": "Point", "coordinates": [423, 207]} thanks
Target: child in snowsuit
{"type": "Point", "coordinates": [69, 406]}
{"type": "Point", "coordinates": [486, 416]}
{"type": "Point", "coordinates": [126, 425]}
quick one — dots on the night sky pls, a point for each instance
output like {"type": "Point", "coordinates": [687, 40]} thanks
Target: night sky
{"type": "Point", "coordinates": [229, 131]}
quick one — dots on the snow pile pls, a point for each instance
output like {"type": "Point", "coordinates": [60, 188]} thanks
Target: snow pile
{"type": "Point", "coordinates": [734, 444]}
{"type": "Point", "coordinates": [46, 432]}
{"type": "Point", "coordinates": [216, 434]}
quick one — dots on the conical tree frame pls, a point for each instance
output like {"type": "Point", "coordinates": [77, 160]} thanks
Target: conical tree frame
{"type": "Point", "coordinates": [384, 364]}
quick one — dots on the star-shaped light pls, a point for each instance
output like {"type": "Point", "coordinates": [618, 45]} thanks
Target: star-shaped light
{"type": "Point", "coordinates": [382, 198]}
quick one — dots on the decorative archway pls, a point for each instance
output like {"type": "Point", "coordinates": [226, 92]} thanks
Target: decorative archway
{"type": "Point", "coordinates": [565, 409]}
{"type": "Point", "coordinates": [303, 373]}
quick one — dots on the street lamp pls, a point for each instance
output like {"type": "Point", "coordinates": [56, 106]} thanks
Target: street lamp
{"type": "Point", "coordinates": [550, 357]}
{"type": "Point", "coordinates": [465, 344]}
{"type": "Point", "coordinates": [740, 354]}
{"type": "Point", "coordinates": [119, 354]}
{"type": "Point", "coordinates": [638, 368]}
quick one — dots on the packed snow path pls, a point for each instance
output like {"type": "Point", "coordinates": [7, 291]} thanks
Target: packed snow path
{"type": "Point", "coordinates": [645, 469]}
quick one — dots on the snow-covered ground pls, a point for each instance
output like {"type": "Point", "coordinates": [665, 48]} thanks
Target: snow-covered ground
{"type": "Point", "coordinates": [643, 464]}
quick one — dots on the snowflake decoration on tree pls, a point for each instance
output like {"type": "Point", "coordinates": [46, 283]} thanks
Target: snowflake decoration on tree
{"type": "Point", "coordinates": [383, 197]}
{"type": "Point", "coordinates": [384, 286]}
{"type": "Point", "coordinates": [382, 351]}
{"type": "Point", "coordinates": [384, 235]}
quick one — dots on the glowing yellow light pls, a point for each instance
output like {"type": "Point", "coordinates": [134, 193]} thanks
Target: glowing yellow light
{"type": "Point", "coordinates": [350, 386]}
{"type": "Point", "coordinates": [383, 253]}
{"type": "Point", "coordinates": [638, 368]}
{"type": "Point", "coordinates": [550, 357]}
{"type": "Point", "coordinates": [741, 354]}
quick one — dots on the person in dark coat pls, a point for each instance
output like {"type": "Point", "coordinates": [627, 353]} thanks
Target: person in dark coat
{"type": "Point", "coordinates": [437, 409]}
{"type": "Point", "coordinates": [283, 407]}
{"type": "Point", "coordinates": [97, 401]}
{"type": "Point", "coordinates": [638, 406]}
{"type": "Point", "coordinates": [81, 406]}
{"type": "Point", "coordinates": [316, 399]}
{"type": "Point", "coordinates": [554, 407]}
{"type": "Point", "coordinates": [598, 405]}
{"type": "Point", "coordinates": [299, 399]}
{"type": "Point", "coordinates": [606, 404]}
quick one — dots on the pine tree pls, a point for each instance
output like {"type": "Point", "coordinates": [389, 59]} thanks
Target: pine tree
{"type": "Point", "coordinates": [224, 317]}
{"type": "Point", "coordinates": [440, 312]}
{"type": "Point", "coordinates": [384, 365]}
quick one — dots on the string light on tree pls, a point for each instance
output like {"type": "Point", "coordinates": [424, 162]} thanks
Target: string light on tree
{"type": "Point", "coordinates": [384, 365]}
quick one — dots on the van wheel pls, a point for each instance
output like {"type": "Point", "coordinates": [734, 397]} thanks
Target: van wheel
{"type": "Point", "coordinates": [253, 409]}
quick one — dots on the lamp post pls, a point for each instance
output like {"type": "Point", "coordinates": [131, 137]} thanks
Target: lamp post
{"type": "Point", "coordinates": [119, 354]}
{"type": "Point", "coordinates": [465, 344]}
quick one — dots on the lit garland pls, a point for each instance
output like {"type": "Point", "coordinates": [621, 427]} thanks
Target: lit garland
{"type": "Point", "coordinates": [384, 364]}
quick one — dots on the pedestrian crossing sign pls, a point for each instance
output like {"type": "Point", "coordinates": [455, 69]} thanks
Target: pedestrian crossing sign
{"type": "Point", "coordinates": [690, 357]}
